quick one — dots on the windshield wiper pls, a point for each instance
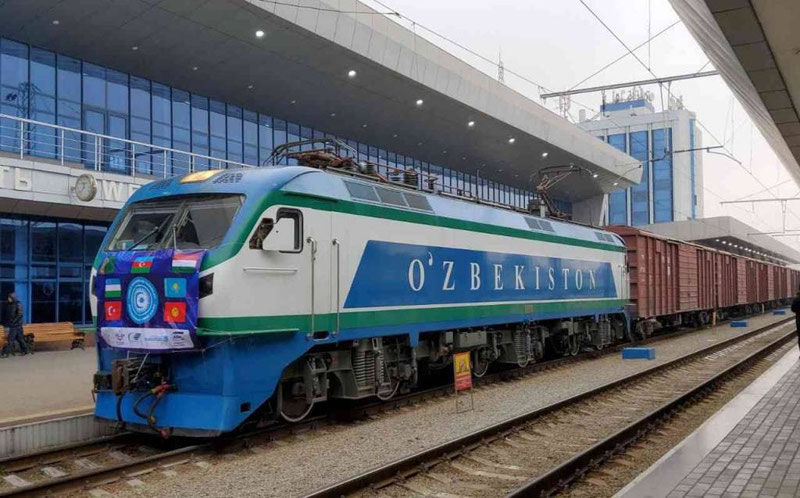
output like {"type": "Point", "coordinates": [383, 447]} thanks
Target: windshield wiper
{"type": "Point", "coordinates": [149, 234]}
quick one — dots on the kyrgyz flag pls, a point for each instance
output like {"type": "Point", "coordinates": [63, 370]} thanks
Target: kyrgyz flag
{"type": "Point", "coordinates": [113, 311]}
{"type": "Point", "coordinates": [113, 288]}
{"type": "Point", "coordinates": [142, 264]}
{"type": "Point", "coordinates": [186, 262]}
{"type": "Point", "coordinates": [174, 312]}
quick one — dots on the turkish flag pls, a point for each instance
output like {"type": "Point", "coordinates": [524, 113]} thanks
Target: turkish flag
{"type": "Point", "coordinates": [113, 310]}
{"type": "Point", "coordinates": [174, 312]}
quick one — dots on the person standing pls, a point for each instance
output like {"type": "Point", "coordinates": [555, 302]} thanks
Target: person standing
{"type": "Point", "coordinates": [796, 311]}
{"type": "Point", "coordinates": [13, 320]}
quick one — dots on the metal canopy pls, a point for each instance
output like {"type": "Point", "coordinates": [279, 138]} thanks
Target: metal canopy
{"type": "Point", "coordinates": [729, 234]}
{"type": "Point", "coordinates": [298, 69]}
{"type": "Point", "coordinates": [754, 44]}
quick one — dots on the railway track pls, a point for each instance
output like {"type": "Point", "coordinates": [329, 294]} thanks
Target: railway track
{"type": "Point", "coordinates": [128, 455]}
{"type": "Point", "coordinates": [546, 450]}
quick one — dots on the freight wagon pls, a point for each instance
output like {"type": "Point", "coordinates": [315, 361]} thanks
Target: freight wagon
{"type": "Point", "coordinates": [674, 283]}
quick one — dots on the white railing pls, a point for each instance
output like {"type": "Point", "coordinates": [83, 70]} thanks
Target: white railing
{"type": "Point", "coordinates": [29, 138]}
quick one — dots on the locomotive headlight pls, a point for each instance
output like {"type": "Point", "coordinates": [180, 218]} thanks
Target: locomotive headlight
{"type": "Point", "coordinates": [206, 285]}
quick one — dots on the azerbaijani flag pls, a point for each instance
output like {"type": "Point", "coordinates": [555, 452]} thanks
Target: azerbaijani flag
{"type": "Point", "coordinates": [113, 288]}
{"type": "Point", "coordinates": [174, 312]}
{"type": "Point", "coordinates": [142, 264]}
{"type": "Point", "coordinates": [186, 262]}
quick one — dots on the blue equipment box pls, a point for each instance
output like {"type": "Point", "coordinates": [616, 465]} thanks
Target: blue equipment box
{"type": "Point", "coordinates": [639, 353]}
{"type": "Point", "coordinates": [739, 323]}
{"type": "Point", "coordinates": [779, 312]}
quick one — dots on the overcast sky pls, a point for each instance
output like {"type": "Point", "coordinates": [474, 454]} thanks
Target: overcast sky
{"type": "Point", "coordinates": [558, 44]}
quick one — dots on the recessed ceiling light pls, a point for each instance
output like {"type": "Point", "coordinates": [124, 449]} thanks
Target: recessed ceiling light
{"type": "Point", "coordinates": [135, 48]}
{"type": "Point", "coordinates": [545, 154]}
{"type": "Point", "coordinates": [394, 135]}
{"type": "Point", "coordinates": [351, 73]}
{"type": "Point", "coordinates": [500, 170]}
{"type": "Point", "coordinates": [444, 151]}
{"type": "Point", "coordinates": [333, 114]}
{"type": "Point", "coordinates": [56, 22]}
{"type": "Point", "coordinates": [471, 124]}
{"type": "Point", "coordinates": [249, 87]}
{"type": "Point", "coordinates": [293, 102]}
{"type": "Point", "coordinates": [595, 175]}
{"type": "Point", "coordinates": [259, 34]}
{"type": "Point", "coordinates": [616, 183]}
{"type": "Point", "coordinates": [463, 158]}
{"type": "Point", "coordinates": [364, 125]}
{"type": "Point", "coordinates": [419, 143]}
{"type": "Point", "coordinates": [512, 140]}
{"type": "Point", "coordinates": [420, 102]}
{"type": "Point", "coordinates": [195, 68]}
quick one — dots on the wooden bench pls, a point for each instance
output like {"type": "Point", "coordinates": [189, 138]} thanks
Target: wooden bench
{"type": "Point", "coordinates": [36, 333]}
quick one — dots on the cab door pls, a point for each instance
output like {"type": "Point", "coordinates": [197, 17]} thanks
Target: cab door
{"type": "Point", "coordinates": [294, 267]}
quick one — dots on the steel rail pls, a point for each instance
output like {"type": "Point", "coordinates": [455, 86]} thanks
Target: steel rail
{"type": "Point", "coordinates": [576, 467]}
{"type": "Point", "coordinates": [406, 467]}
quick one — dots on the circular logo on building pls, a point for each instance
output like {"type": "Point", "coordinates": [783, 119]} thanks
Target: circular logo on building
{"type": "Point", "coordinates": [142, 300]}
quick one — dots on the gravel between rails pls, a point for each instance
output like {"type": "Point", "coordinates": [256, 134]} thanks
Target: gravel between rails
{"type": "Point", "coordinates": [304, 463]}
{"type": "Point", "coordinates": [614, 475]}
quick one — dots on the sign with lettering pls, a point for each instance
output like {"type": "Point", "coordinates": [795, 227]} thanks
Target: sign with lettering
{"type": "Point", "coordinates": [462, 371]}
{"type": "Point", "coordinates": [396, 274]}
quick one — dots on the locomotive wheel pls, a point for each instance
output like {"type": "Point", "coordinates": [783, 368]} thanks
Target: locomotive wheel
{"type": "Point", "coordinates": [574, 345]}
{"type": "Point", "coordinates": [480, 364]}
{"type": "Point", "coordinates": [293, 405]}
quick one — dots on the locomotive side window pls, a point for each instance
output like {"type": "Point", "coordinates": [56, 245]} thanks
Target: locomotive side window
{"type": "Point", "coordinates": [284, 233]}
{"type": "Point", "coordinates": [297, 218]}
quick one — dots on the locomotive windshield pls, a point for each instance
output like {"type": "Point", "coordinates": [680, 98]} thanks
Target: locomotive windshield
{"type": "Point", "coordinates": [180, 223]}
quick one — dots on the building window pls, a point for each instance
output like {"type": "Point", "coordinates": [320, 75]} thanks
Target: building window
{"type": "Point", "coordinates": [181, 132]}
{"type": "Point", "coordinates": [216, 113]}
{"type": "Point", "coordinates": [48, 264]}
{"type": "Point", "coordinates": [200, 130]}
{"type": "Point", "coordinates": [42, 103]}
{"type": "Point", "coordinates": [618, 201]}
{"type": "Point", "coordinates": [250, 137]}
{"type": "Point", "coordinates": [264, 138]}
{"type": "Point", "coordinates": [13, 91]}
{"type": "Point", "coordinates": [662, 175]}
{"type": "Point", "coordinates": [162, 125]}
{"type": "Point", "coordinates": [140, 125]}
{"type": "Point", "coordinates": [640, 194]}
{"type": "Point", "coordinates": [234, 133]}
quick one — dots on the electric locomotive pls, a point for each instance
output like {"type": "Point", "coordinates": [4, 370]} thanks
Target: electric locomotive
{"type": "Point", "coordinates": [231, 297]}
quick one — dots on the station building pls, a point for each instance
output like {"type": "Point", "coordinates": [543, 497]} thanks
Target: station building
{"type": "Point", "coordinates": [98, 98]}
{"type": "Point", "coordinates": [667, 143]}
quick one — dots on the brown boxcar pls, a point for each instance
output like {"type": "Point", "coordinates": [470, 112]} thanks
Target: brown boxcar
{"type": "Point", "coordinates": [743, 279]}
{"type": "Point", "coordinates": [727, 279]}
{"type": "Point", "coordinates": [652, 265]}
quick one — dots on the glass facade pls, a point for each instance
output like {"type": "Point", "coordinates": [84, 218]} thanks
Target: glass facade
{"type": "Point", "coordinates": [640, 193]}
{"type": "Point", "coordinates": [53, 88]}
{"type": "Point", "coordinates": [650, 194]}
{"type": "Point", "coordinates": [662, 175]}
{"type": "Point", "coordinates": [618, 201]}
{"type": "Point", "coordinates": [48, 263]}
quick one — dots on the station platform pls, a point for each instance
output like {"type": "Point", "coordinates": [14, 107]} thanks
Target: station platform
{"type": "Point", "coordinates": [749, 448]}
{"type": "Point", "coordinates": [46, 384]}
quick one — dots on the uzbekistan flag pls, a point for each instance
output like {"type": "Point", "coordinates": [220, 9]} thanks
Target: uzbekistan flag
{"type": "Point", "coordinates": [174, 312]}
{"type": "Point", "coordinates": [142, 264]}
{"type": "Point", "coordinates": [185, 262]}
{"type": "Point", "coordinates": [113, 288]}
